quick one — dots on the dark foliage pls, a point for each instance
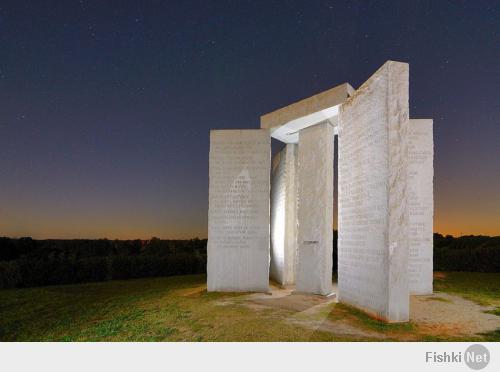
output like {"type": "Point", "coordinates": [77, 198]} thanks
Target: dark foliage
{"type": "Point", "coordinates": [466, 253]}
{"type": "Point", "coordinates": [26, 262]}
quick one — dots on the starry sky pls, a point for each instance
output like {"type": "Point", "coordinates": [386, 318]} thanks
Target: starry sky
{"type": "Point", "coordinates": [106, 106]}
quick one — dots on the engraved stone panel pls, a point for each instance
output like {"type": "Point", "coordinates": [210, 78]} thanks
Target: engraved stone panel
{"type": "Point", "coordinates": [284, 216]}
{"type": "Point", "coordinates": [420, 205]}
{"type": "Point", "coordinates": [373, 215]}
{"type": "Point", "coordinates": [238, 215]}
{"type": "Point", "coordinates": [315, 209]}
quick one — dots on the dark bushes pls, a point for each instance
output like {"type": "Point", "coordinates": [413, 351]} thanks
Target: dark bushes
{"type": "Point", "coordinates": [9, 274]}
{"type": "Point", "coordinates": [26, 262]}
{"type": "Point", "coordinates": [76, 261]}
{"type": "Point", "coordinates": [467, 253]}
{"type": "Point", "coordinates": [145, 266]}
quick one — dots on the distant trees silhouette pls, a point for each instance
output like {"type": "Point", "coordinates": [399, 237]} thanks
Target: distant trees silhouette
{"type": "Point", "coordinates": [467, 253]}
{"type": "Point", "coordinates": [26, 262]}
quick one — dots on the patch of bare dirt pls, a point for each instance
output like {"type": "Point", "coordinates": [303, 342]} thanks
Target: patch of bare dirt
{"type": "Point", "coordinates": [194, 291]}
{"type": "Point", "coordinates": [305, 310]}
{"type": "Point", "coordinates": [440, 314]}
{"type": "Point", "coordinates": [443, 313]}
{"type": "Point", "coordinates": [292, 302]}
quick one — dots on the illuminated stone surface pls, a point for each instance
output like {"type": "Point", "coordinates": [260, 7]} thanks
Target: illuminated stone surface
{"type": "Point", "coordinates": [315, 209]}
{"type": "Point", "coordinates": [284, 215]}
{"type": "Point", "coordinates": [238, 216]}
{"type": "Point", "coordinates": [285, 123]}
{"type": "Point", "coordinates": [385, 198]}
{"type": "Point", "coordinates": [373, 214]}
{"type": "Point", "coordinates": [420, 205]}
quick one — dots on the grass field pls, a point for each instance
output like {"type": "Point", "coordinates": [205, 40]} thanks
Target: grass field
{"type": "Point", "coordinates": [180, 309]}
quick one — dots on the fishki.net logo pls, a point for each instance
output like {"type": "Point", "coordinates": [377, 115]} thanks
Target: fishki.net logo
{"type": "Point", "coordinates": [475, 357]}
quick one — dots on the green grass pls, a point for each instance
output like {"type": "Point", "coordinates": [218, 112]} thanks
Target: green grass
{"type": "Point", "coordinates": [180, 309]}
{"type": "Point", "coordinates": [159, 309]}
{"type": "Point", "coordinates": [495, 311]}
{"type": "Point", "coordinates": [493, 336]}
{"type": "Point", "coordinates": [483, 288]}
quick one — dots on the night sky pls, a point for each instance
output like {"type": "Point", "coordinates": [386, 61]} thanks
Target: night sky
{"type": "Point", "coordinates": [106, 106]}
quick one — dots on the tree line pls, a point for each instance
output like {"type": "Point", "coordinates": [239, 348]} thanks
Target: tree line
{"type": "Point", "coordinates": [27, 262]}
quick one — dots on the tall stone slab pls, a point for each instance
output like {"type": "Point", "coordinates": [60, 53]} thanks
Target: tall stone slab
{"type": "Point", "coordinates": [420, 205]}
{"type": "Point", "coordinates": [315, 209]}
{"type": "Point", "coordinates": [373, 212]}
{"type": "Point", "coordinates": [284, 215]}
{"type": "Point", "coordinates": [238, 213]}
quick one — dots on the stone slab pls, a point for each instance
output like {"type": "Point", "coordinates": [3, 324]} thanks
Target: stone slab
{"type": "Point", "coordinates": [307, 106]}
{"type": "Point", "coordinates": [286, 122]}
{"type": "Point", "coordinates": [315, 209]}
{"type": "Point", "coordinates": [420, 205]}
{"type": "Point", "coordinates": [373, 214]}
{"type": "Point", "coordinates": [238, 215]}
{"type": "Point", "coordinates": [284, 215]}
